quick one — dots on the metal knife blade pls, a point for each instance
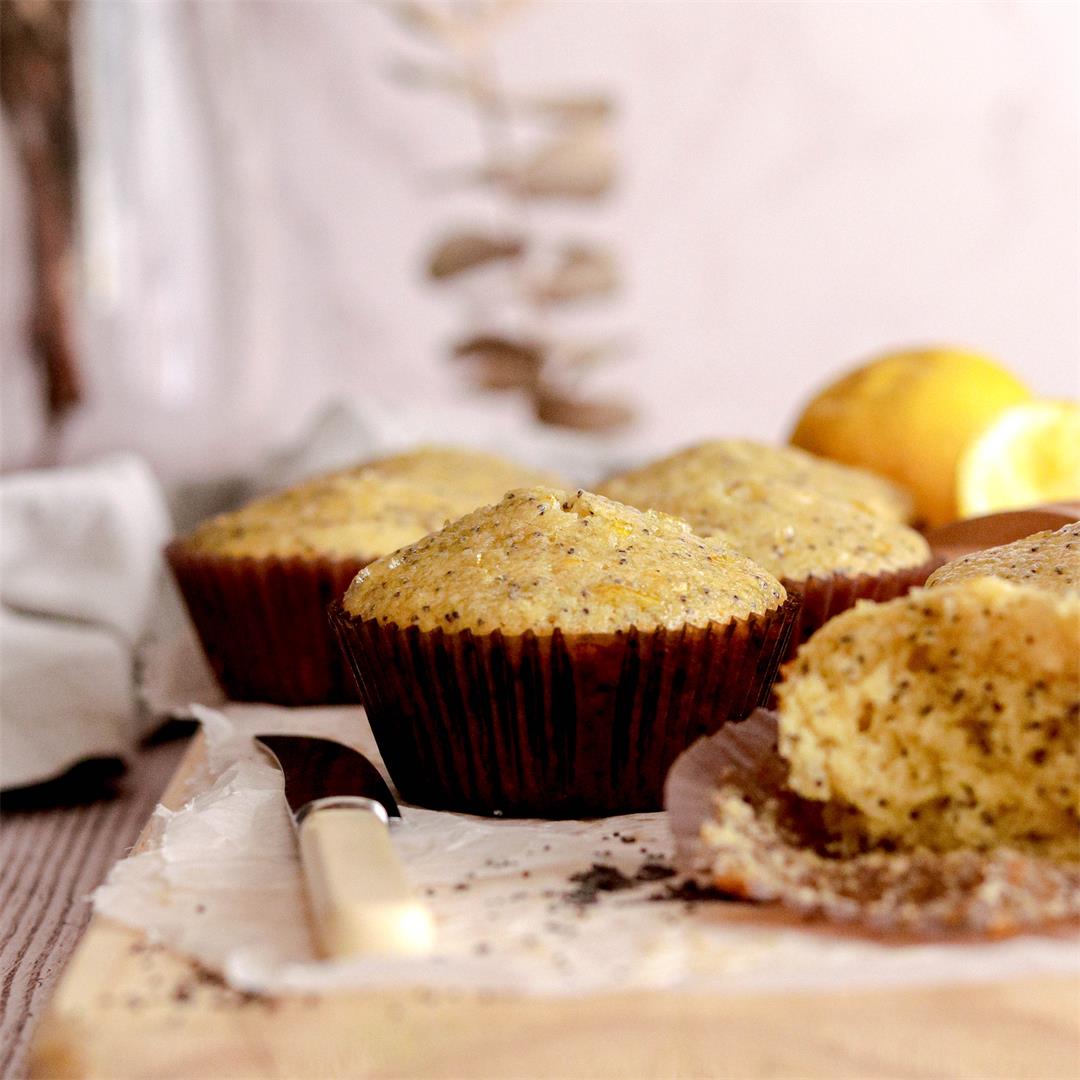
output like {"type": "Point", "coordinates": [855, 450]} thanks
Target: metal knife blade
{"type": "Point", "coordinates": [323, 769]}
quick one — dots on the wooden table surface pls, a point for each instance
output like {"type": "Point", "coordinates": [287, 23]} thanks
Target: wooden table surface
{"type": "Point", "coordinates": [56, 845]}
{"type": "Point", "coordinates": [128, 1008]}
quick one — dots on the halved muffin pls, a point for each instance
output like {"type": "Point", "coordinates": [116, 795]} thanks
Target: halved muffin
{"type": "Point", "coordinates": [948, 719]}
{"type": "Point", "coordinates": [551, 655]}
{"type": "Point", "coordinates": [921, 771]}
{"type": "Point", "coordinates": [258, 581]}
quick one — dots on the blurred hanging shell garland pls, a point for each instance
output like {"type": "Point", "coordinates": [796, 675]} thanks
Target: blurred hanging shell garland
{"type": "Point", "coordinates": [509, 276]}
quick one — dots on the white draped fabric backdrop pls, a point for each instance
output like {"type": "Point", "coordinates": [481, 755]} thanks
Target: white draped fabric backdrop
{"type": "Point", "coordinates": [800, 184]}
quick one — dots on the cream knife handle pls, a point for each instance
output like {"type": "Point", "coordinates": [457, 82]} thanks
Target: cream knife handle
{"type": "Point", "coordinates": [360, 900]}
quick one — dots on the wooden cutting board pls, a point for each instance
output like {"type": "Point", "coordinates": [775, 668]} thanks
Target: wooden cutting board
{"type": "Point", "coordinates": [125, 1008]}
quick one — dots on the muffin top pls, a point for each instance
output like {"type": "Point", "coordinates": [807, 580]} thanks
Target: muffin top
{"type": "Point", "coordinates": [544, 559]}
{"type": "Point", "coordinates": [736, 459]}
{"type": "Point", "coordinates": [1048, 560]}
{"type": "Point", "coordinates": [467, 475]}
{"type": "Point", "coordinates": [945, 719]}
{"type": "Point", "coordinates": [796, 533]}
{"type": "Point", "coordinates": [365, 511]}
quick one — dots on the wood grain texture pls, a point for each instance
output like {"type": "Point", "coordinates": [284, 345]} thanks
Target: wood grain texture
{"type": "Point", "coordinates": [53, 853]}
{"type": "Point", "coordinates": [125, 1008]}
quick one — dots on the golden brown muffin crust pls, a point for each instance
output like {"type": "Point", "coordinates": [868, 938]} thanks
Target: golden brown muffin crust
{"type": "Point", "coordinates": [456, 472]}
{"type": "Point", "coordinates": [365, 511]}
{"type": "Point", "coordinates": [545, 558]}
{"type": "Point", "coordinates": [795, 533]}
{"type": "Point", "coordinates": [1048, 560]}
{"type": "Point", "coordinates": [726, 460]}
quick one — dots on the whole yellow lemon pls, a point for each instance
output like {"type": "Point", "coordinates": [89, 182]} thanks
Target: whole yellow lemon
{"type": "Point", "coordinates": [909, 416]}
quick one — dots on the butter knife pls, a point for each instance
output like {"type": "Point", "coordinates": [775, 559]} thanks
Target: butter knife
{"type": "Point", "coordinates": [361, 902]}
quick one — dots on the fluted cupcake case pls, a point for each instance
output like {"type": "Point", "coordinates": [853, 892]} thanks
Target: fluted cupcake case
{"type": "Point", "coordinates": [263, 624]}
{"type": "Point", "coordinates": [825, 597]}
{"type": "Point", "coordinates": [558, 725]}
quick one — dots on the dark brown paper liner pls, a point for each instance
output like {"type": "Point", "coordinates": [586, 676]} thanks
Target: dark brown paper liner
{"type": "Point", "coordinates": [770, 848]}
{"type": "Point", "coordinates": [559, 725]}
{"type": "Point", "coordinates": [263, 624]}
{"type": "Point", "coordinates": [964, 537]}
{"type": "Point", "coordinates": [826, 597]}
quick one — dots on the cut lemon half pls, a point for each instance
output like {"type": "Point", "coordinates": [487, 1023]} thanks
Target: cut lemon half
{"type": "Point", "coordinates": [1030, 454]}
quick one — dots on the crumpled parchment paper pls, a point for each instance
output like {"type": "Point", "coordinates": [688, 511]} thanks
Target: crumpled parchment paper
{"type": "Point", "coordinates": [221, 882]}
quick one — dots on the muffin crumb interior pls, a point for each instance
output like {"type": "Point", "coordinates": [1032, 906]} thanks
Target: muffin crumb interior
{"type": "Point", "coordinates": [945, 719]}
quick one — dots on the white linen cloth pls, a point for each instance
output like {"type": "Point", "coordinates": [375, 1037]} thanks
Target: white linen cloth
{"type": "Point", "coordinates": [80, 556]}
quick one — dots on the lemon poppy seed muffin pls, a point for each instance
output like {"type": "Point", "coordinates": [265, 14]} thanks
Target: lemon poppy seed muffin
{"type": "Point", "coordinates": [795, 533]}
{"type": "Point", "coordinates": [946, 719]}
{"type": "Point", "coordinates": [340, 516]}
{"type": "Point", "coordinates": [831, 552]}
{"type": "Point", "coordinates": [545, 558]}
{"type": "Point", "coordinates": [366, 511]}
{"type": "Point", "coordinates": [258, 580]}
{"type": "Point", "coordinates": [725, 460]}
{"type": "Point", "coordinates": [551, 655]}
{"type": "Point", "coordinates": [1048, 560]}
{"type": "Point", "coordinates": [471, 478]}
